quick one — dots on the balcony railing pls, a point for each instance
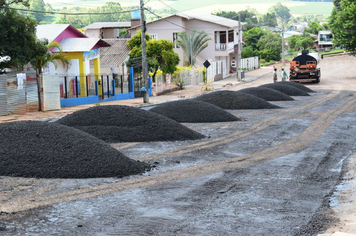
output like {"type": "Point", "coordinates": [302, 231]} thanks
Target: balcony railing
{"type": "Point", "coordinates": [230, 46]}
{"type": "Point", "coordinates": [220, 47]}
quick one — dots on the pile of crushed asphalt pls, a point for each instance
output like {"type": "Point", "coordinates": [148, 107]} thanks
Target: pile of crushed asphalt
{"type": "Point", "coordinates": [116, 123]}
{"type": "Point", "coordinates": [39, 149]}
{"type": "Point", "coordinates": [235, 100]}
{"type": "Point", "coordinates": [297, 85]}
{"type": "Point", "coordinates": [193, 111]}
{"type": "Point", "coordinates": [267, 94]}
{"type": "Point", "coordinates": [286, 89]}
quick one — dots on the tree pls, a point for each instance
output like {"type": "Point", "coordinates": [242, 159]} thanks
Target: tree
{"type": "Point", "coordinates": [280, 11]}
{"type": "Point", "coordinates": [18, 39]}
{"type": "Point", "coordinates": [37, 5]}
{"type": "Point", "coordinates": [292, 42]}
{"type": "Point", "coordinates": [109, 7]}
{"type": "Point", "coordinates": [269, 19]}
{"type": "Point", "coordinates": [43, 59]}
{"type": "Point", "coordinates": [270, 46]}
{"type": "Point", "coordinates": [342, 24]}
{"type": "Point", "coordinates": [248, 16]}
{"type": "Point", "coordinates": [247, 52]}
{"type": "Point", "coordinates": [160, 54]}
{"type": "Point", "coordinates": [314, 27]}
{"type": "Point", "coordinates": [114, 8]}
{"type": "Point", "coordinates": [305, 43]}
{"type": "Point", "coordinates": [48, 57]}
{"type": "Point", "coordinates": [6, 3]}
{"type": "Point", "coordinates": [192, 44]}
{"type": "Point", "coordinates": [298, 42]}
{"type": "Point", "coordinates": [252, 36]}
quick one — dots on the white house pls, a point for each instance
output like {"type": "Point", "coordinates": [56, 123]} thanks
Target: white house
{"type": "Point", "coordinates": [223, 33]}
{"type": "Point", "coordinates": [325, 39]}
{"type": "Point", "coordinates": [105, 30]}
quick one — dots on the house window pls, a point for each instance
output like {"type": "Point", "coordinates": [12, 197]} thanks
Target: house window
{"type": "Point", "coordinates": [153, 36]}
{"type": "Point", "coordinates": [175, 37]}
{"type": "Point", "coordinates": [231, 36]}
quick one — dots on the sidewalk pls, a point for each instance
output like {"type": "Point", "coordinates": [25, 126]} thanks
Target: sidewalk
{"type": "Point", "coordinates": [187, 92]}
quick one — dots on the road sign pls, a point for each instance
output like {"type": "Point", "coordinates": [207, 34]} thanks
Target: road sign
{"type": "Point", "coordinates": [206, 64]}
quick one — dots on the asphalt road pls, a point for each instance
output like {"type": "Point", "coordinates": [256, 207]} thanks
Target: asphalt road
{"type": "Point", "coordinates": [275, 172]}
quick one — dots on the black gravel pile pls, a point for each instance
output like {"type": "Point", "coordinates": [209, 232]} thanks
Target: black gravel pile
{"type": "Point", "coordinates": [286, 89]}
{"type": "Point", "coordinates": [39, 149]}
{"type": "Point", "coordinates": [235, 100]}
{"type": "Point", "coordinates": [297, 85]}
{"type": "Point", "coordinates": [267, 94]}
{"type": "Point", "coordinates": [193, 111]}
{"type": "Point", "coordinates": [116, 123]}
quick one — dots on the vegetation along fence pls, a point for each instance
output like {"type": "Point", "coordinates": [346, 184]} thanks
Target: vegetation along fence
{"type": "Point", "coordinates": [182, 77]}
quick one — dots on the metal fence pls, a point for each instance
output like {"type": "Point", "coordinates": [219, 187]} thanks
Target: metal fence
{"type": "Point", "coordinates": [18, 93]}
{"type": "Point", "coordinates": [74, 86]}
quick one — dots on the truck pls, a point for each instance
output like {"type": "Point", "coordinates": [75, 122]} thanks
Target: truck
{"type": "Point", "coordinates": [305, 68]}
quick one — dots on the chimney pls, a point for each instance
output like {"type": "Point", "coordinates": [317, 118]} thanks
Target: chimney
{"type": "Point", "coordinates": [135, 18]}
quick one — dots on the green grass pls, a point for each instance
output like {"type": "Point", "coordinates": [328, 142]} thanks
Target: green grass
{"type": "Point", "coordinates": [186, 5]}
{"type": "Point", "coordinates": [315, 8]}
{"type": "Point", "coordinates": [334, 51]}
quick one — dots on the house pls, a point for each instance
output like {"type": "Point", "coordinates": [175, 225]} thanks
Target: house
{"type": "Point", "coordinates": [105, 30]}
{"type": "Point", "coordinates": [299, 27]}
{"type": "Point", "coordinates": [223, 33]}
{"type": "Point", "coordinates": [290, 33]}
{"type": "Point", "coordinates": [113, 59]}
{"type": "Point", "coordinates": [77, 47]}
{"type": "Point", "coordinates": [324, 41]}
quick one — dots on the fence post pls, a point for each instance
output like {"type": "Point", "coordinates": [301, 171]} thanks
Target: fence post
{"type": "Point", "coordinates": [131, 80]}
{"type": "Point", "coordinates": [113, 87]}
{"type": "Point", "coordinates": [87, 85]}
{"type": "Point", "coordinates": [96, 88]}
{"type": "Point", "coordinates": [65, 87]}
{"type": "Point", "coordinates": [108, 84]}
{"type": "Point", "coordinates": [102, 87]}
{"type": "Point", "coordinates": [122, 84]}
{"type": "Point", "coordinates": [76, 86]}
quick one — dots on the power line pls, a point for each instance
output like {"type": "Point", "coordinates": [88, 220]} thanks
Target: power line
{"type": "Point", "coordinates": [68, 13]}
{"type": "Point", "coordinates": [181, 25]}
{"type": "Point", "coordinates": [172, 8]}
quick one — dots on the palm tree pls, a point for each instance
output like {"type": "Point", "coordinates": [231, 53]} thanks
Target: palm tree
{"type": "Point", "coordinates": [192, 44]}
{"type": "Point", "coordinates": [43, 60]}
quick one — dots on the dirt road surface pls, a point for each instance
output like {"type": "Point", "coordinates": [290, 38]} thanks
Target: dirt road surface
{"type": "Point", "coordinates": [287, 171]}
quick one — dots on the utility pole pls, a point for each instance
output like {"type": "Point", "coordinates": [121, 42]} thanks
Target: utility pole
{"type": "Point", "coordinates": [283, 42]}
{"type": "Point", "coordinates": [144, 54]}
{"type": "Point", "coordinates": [239, 51]}
{"type": "Point", "coordinates": [191, 50]}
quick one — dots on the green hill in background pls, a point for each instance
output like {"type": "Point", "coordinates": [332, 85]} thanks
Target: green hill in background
{"type": "Point", "coordinates": [165, 8]}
